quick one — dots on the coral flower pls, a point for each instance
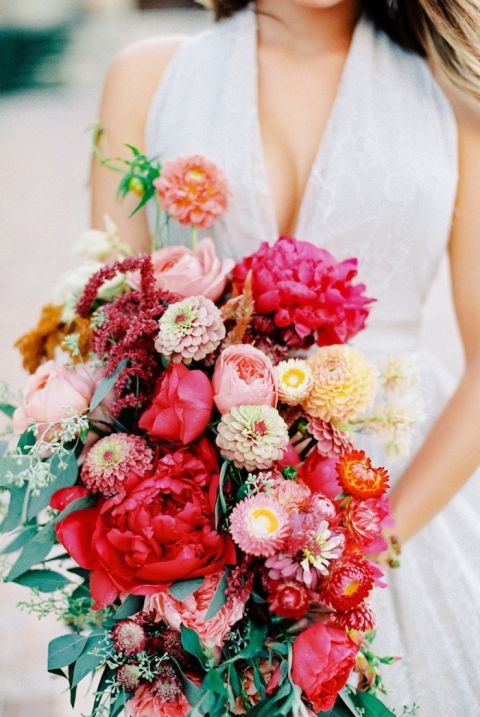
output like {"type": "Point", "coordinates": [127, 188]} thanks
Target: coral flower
{"type": "Point", "coordinates": [112, 459]}
{"type": "Point", "coordinates": [259, 525]}
{"type": "Point", "coordinates": [359, 478]}
{"type": "Point", "coordinates": [193, 191]}
{"type": "Point", "coordinates": [344, 385]}
{"type": "Point", "coordinates": [348, 584]}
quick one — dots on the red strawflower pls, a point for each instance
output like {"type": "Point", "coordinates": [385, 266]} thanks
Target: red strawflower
{"type": "Point", "coordinates": [128, 330]}
{"type": "Point", "coordinates": [359, 478]}
{"type": "Point", "coordinates": [289, 599]}
{"type": "Point", "coordinates": [361, 618]}
{"type": "Point", "coordinates": [348, 584]}
{"type": "Point", "coordinates": [365, 521]}
{"type": "Point", "coordinates": [308, 294]}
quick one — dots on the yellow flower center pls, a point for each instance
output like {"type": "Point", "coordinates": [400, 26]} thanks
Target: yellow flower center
{"type": "Point", "coordinates": [294, 377]}
{"type": "Point", "coordinates": [195, 175]}
{"type": "Point", "coordinates": [351, 588]}
{"type": "Point", "coordinates": [265, 520]}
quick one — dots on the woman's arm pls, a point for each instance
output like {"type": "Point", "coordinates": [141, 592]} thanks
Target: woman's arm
{"type": "Point", "coordinates": [131, 82]}
{"type": "Point", "coordinates": [451, 453]}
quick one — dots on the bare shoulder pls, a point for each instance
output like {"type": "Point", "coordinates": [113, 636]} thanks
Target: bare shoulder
{"type": "Point", "coordinates": [133, 77]}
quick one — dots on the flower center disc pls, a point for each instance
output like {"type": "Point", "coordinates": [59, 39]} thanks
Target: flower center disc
{"type": "Point", "coordinates": [294, 377]}
{"type": "Point", "coordinates": [265, 520]}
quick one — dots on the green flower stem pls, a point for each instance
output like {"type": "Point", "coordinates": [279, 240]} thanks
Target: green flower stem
{"type": "Point", "coordinates": [194, 238]}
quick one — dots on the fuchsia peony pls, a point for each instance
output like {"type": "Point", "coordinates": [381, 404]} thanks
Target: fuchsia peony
{"type": "Point", "coordinates": [193, 191]}
{"type": "Point", "coordinates": [159, 530]}
{"type": "Point", "coordinates": [54, 393]}
{"type": "Point", "coordinates": [309, 294]}
{"type": "Point", "coordinates": [323, 658]}
{"type": "Point", "coordinates": [243, 376]}
{"type": "Point", "coordinates": [188, 273]}
{"type": "Point", "coordinates": [181, 408]}
{"type": "Point", "coordinates": [192, 611]}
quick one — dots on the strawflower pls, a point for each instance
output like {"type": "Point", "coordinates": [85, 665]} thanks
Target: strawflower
{"type": "Point", "coordinates": [259, 525]}
{"type": "Point", "coordinates": [359, 478]}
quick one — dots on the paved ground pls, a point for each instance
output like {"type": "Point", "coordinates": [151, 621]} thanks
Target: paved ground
{"type": "Point", "coordinates": [44, 150]}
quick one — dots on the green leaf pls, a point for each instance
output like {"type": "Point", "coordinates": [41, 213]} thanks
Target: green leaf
{"type": "Point", "coordinates": [191, 644]}
{"type": "Point", "coordinates": [65, 650]}
{"type": "Point", "coordinates": [7, 409]}
{"type": "Point", "coordinates": [21, 539]}
{"type": "Point", "coordinates": [66, 472]}
{"type": "Point", "coordinates": [26, 441]}
{"type": "Point", "coordinates": [88, 662]}
{"type": "Point", "coordinates": [130, 606]}
{"type": "Point", "coordinates": [255, 640]}
{"type": "Point", "coordinates": [213, 682]}
{"type": "Point", "coordinates": [372, 706]}
{"type": "Point", "coordinates": [107, 675]}
{"type": "Point", "coordinates": [106, 385]}
{"type": "Point", "coordinates": [184, 588]}
{"type": "Point", "coordinates": [46, 581]}
{"type": "Point", "coordinates": [119, 704]}
{"type": "Point", "coordinates": [73, 690]}
{"type": "Point", "coordinates": [15, 508]}
{"type": "Point", "coordinates": [221, 505]}
{"type": "Point", "coordinates": [14, 465]}
{"type": "Point", "coordinates": [219, 599]}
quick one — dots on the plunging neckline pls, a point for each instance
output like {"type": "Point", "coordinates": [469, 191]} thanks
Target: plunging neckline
{"type": "Point", "coordinates": [320, 156]}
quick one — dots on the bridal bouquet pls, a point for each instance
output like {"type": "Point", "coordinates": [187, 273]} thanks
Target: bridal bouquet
{"type": "Point", "coordinates": [185, 490]}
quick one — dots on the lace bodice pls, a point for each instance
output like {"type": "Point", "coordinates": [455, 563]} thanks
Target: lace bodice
{"type": "Point", "coordinates": [383, 184]}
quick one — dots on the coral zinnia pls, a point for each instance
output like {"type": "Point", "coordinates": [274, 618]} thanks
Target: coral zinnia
{"type": "Point", "coordinates": [348, 584]}
{"type": "Point", "coordinates": [193, 191]}
{"type": "Point", "coordinates": [344, 384]}
{"type": "Point", "coordinates": [359, 478]}
{"type": "Point", "coordinates": [253, 437]}
{"type": "Point", "coordinates": [190, 330]}
{"type": "Point", "coordinates": [112, 459]}
{"type": "Point", "coordinates": [259, 525]}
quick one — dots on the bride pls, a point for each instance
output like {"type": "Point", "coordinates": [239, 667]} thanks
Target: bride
{"type": "Point", "coordinates": [352, 124]}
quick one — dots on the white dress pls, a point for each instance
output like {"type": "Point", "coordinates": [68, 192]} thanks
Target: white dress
{"type": "Point", "coordinates": [383, 189]}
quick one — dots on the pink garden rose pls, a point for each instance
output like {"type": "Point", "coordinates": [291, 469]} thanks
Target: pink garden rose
{"type": "Point", "coordinates": [323, 658]}
{"type": "Point", "coordinates": [53, 393]}
{"type": "Point", "coordinates": [319, 473]}
{"type": "Point", "coordinates": [188, 273]}
{"type": "Point", "coordinates": [147, 702]}
{"type": "Point", "coordinates": [191, 612]}
{"type": "Point", "coordinates": [182, 406]}
{"type": "Point", "coordinates": [244, 376]}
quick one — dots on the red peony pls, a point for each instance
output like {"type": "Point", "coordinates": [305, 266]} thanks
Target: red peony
{"type": "Point", "coordinates": [159, 530]}
{"type": "Point", "coordinates": [309, 294]}
{"type": "Point", "coordinates": [182, 406]}
{"type": "Point", "coordinates": [320, 475]}
{"type": "Point", "coordinates": [323, 658]}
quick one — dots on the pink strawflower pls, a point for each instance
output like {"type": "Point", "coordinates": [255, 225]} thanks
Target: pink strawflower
{"type": "Point", "coordinates": [365, 521]}
{"type": "Point", "coordinates": [259, 525]}
{"type": "Point", "coordinates": [190, 330]}
{"type": "Point", "coordinates": [193, 191]}
{"type": "Point", "coordinates": [332, 441]}
{"type": "Point", "coordinates": [112, 459]}
{"type": "Point", "coordinates": [129, 637]}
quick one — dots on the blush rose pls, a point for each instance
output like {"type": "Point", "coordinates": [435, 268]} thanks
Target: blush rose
{"type": "Point", "coordinates": [243, 375]}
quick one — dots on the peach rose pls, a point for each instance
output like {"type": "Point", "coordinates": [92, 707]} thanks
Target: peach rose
{"type": "Point", "coordinates": [189, 273]}
{"type": "Point", "coordinates": [243, 376]}
{"type": "Point", "coordinates": [191, 612]}
{"type": "Point", "coordinates": [53, 393]}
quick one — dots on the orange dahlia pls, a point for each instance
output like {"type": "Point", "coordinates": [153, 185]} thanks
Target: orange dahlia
{"type": "Point", "coordinates": [359, 478]}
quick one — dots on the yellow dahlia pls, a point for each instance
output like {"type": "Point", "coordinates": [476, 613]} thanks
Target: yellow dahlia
{"type": "Point", "coordinates": [295, 380]}
{"type": "Point", "coordinates": [344, 384]}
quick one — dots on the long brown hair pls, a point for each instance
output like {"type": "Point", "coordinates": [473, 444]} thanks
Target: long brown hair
{"type": "Point", "coordinates": [447, 32]}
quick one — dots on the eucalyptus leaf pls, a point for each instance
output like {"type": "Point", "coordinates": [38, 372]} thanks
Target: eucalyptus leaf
{"type": "Point", "coordinates": [7, 409]}
{"type": "Point", "coordinates": [73, 690]}
{"type": "Point", "coordinates": [218, 600]}
{"type": "Point", "coordinates": [88, 661]}
{"type": "Point", "coordinates": [11, 466]}
{"type": "Point", "coordinates": [26, 441]}
{"type": "Point", "coordinates": [65, 471]}
{"type": "Point", "coordinates": [106, 385]}
{"type": "Point", "coordinates": [65, 650]}
{"type": "Point", "coordinates": [371, 706]}
{"type": "Point", "coordinates": [15, 508]}
{"type": "Point", "coordinates": [130, 606]}
{"type": "Point", "coordinates": [191, 644]}
{"type": "Point", "coordinates": [182, 589]}
{"type": "Point", "coordinates": [119, 704]}
{"type": "Point", "coordinates": [20, 540]}
{"type": "Point", "coordinates": [45, 581]}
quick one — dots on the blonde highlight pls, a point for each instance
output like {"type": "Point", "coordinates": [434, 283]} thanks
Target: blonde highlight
{"type": "Point", "coordinates": [447, 32]}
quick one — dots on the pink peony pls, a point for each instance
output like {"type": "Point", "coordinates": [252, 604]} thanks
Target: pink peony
{"type": "Point", "coordinates": [188, 273]}
{"type": "Point", "coordinates": [243, 376]}
{"type": "Point", "coordinates": [146, 702]}
{"type": "Point", "coordinates": [193, 191]}
{"type": "Point", "coordinates": [323, 658]}
{"type": "Point", "coordinates": [320, 475]}
{"type": "Point", "coordinates": [191, 612]}
{"type": "Point", "coordinates": [54, 393]}
{"type": "Point", "coordinates": [309, 295]}
{"type": "Point", "coordinates": [181, 407]}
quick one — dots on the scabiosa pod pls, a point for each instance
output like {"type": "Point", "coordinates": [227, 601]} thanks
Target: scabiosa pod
{"type": "Point", "coordinates": [252, 437]}
{"type": "Point", "coordinates": [190, 330]}
{"type": "Point", "coordinates": [344, 384]}
{"type": "Point", "coordinates": [112, 459]}
{"type": "Point", "coordinates": [129, 637]}
{"type": "Point", "coordinates": [259, 525]}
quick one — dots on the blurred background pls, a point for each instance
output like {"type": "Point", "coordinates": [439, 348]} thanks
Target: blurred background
{"type": "Point", "coordinates": [53, 58]}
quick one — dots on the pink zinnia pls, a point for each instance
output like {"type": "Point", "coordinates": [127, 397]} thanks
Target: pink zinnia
{"type": "Point", "coordinates": [193, 191]}
{"type": "Point", "coordinates": [112, 459]}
